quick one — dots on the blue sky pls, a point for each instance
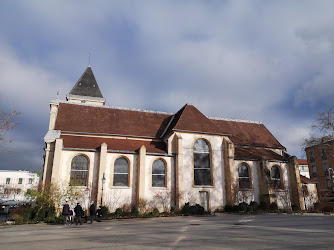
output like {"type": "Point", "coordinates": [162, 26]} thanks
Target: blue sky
{"type": "Point", "coordinates": [268, 61]}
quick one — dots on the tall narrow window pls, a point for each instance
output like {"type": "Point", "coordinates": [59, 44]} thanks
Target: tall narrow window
{"type": "Point", "coordinates": [30, 181]}
{"type": "Point", "coordinates": [202, 173]}
{"type": "Point", "coordinates": [158, 173]}
{"type": "Point", "coordinates": [79, 170]}
{"type": "Point", "coordinates": [7, 180]}
{"type": "Point", "coordinates": [20, 180]}
{"type": "Point", "coordinates": [314, 171]}
{"type": "Point", "coordinates": [121, 172]}
{"type": "Point", "coordinates": [325, 167]}
{"type": "Point", "coordinates": [275, 176]}
{"type": "Point", "coordinates": [243, 176]}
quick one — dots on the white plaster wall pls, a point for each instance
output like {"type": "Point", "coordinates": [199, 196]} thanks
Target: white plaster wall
{"type": "Point", "coordinates": [215, 192]}
{"type": "Point", "coordinates": [160, 197]}
{"type": "Point", "coordinates": [283, 195]}
{"type": "Point", "coordinates": [117, 196]}
{"type": "Point", "coordinates": [254, 192]}
{"type": "Point", "coordinates": [312, 196]}
{"type": "Point", "coordinates": [67, 157]}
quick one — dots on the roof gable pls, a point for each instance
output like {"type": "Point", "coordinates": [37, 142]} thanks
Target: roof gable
{"type": "Point", "coordinates": [87, 85]}
{"type": "Point", "coordinates": [190, 119]}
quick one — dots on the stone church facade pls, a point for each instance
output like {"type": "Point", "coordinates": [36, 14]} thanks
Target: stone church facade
{"type": "Point", "coordinates": [125, 156]}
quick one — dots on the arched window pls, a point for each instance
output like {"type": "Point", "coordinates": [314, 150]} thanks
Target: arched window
{"type": "Point", "coordinates": [79, 170]}
{"type": "Point", "coordinates": [121, 172]}
{"type": "Point", "coordinates": [158, 173]}
{"type": "Point", "coordinates": [275, 177]}
{"type": "Point", "coordinates": [244, 181]}
{"type": "Point", "coordinates": [202, 175]}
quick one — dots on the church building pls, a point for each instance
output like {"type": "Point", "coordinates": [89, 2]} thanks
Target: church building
{"type": "Point", "coordinates": [127, 156]}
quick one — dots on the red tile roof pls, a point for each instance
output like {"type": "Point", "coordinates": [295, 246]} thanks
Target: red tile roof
{"type": "Point", "coordinates": [87, 119]}
{"type": "Point", "coordinates": [190, 119]}
{"type": "Point", "coordinates": [248, 133]}
{"type": "Point", "coordinates": [85, 142]}
{"type": "Point", "coordinates": [305, 180]}
{"type": "Point", "coordinates": [302, 162]}
{"type": "Point", "coordinates": [112, 121]}
{"type": "Point", "coordinates": [257, 154]}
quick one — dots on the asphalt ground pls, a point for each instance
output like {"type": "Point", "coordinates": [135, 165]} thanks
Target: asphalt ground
{"type": "Point", "coordinates": [223, 231]}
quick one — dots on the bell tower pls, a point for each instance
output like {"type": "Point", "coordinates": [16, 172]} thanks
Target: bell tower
{"type": "Point", "coordinates": [86, 90]}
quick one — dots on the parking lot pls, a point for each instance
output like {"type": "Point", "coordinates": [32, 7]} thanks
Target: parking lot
{"type": "Point", "coordinates": [223, 231]}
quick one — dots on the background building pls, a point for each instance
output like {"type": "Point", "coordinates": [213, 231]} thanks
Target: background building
{"type": "Point", "coordinates": [303, 168]}
{"type": "Point", "coordinates": [320, 159]}
{"type": "Point", "coordinates": [14, 184]}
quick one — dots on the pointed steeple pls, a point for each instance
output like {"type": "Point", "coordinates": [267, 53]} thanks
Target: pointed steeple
{"type": "Point", "coordinates": [86, 89]}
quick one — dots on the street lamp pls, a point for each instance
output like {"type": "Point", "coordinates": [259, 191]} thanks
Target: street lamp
{"type": "Point", "coordinates": [103, 181]}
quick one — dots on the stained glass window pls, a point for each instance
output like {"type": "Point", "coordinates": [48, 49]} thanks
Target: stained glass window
{"type": "Point", "coordinates": [79, 170]}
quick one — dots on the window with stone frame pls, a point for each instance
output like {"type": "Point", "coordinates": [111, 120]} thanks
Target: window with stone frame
{"type": "Point", "coordinates": [329, 184]}
{"type": "Point", "coordinates": [7, 180]}
{"type": "Point", "coordinates": [325, 167]}
{"type": "Point", "coordinates": [314, 171]}
{"type": "Point", "coordinates": [311, 156]}
{"type": "Point", "coordinates": [79, 171]}
{"type": "Point", "coordinates": [121, 172]}
{"type": "Point", "coordinates": [244, 180]}
{"type": "Point", "coordinates": [202, 166]}
{"type": "Point", "coordinates": [30, 181]}
{"type": "Point", "coordinates": [275, 176]}
{"type": "Point", "coordinates": [323, 154]}
{"type": "Point", "coordinates": [158, 173]}
{"type": "Point", "coordinates": [20, 180]}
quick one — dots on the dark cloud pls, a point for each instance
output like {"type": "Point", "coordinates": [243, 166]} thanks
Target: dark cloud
{"type": "Point", "coordinates": [267, 61]}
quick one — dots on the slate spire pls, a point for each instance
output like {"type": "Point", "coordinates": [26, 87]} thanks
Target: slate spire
{"type": "Point", "coordinates": [87, 85]}
{"type": "Point", "coordinates": [86, 88]}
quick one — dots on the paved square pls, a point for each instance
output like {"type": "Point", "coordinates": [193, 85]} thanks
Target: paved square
{"type": "Point", "coordinates": [223, 231]}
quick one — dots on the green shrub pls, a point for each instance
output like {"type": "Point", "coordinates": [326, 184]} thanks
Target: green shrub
{"type": "Point", "coordinates": [263, 206]}
{"type": "Point", "coordinates": [192, 210]}
{"type": "Point", "coordinates": [254, 206]}
{"type": "Point", "coordinates": [328, 209]}
{"type": "Point", "coordinates": [134, 211]}
{"type": "Point", "coordinates": [172, 210]}
{"type": "Point", "coordinates": [295, 207]}
{"type": "Point", "coordinates": [197, 210]}
{"type": "Point", "coordinates": [242, 207]}
{"type": "Point", "coordinates": [105, 212]}
{"type": "Point", "coordinates": [17, 218]}
{"type": "Point", "coordinates": [318, 206]}
{"type": "Point", "coordinates": [272, 207]}
{"type": "Point", "coordinates": [228, 208]}
{"type": "Point", "coordinates": [155, 212]}
{"type": "Point", "coordinates": [185, 210]}
{"type": "Point", "coordinates": [118, 212]}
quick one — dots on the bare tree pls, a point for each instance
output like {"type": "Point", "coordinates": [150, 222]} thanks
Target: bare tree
{"type": "Point", "coordinates": [322, 131]}
{"type": "Point", "coordinates": [6, 123]}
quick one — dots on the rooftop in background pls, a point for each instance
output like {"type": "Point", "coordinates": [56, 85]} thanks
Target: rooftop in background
{"type": "Point", "coordinates": [302, 161]}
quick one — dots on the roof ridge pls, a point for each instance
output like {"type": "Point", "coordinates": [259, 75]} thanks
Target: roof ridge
{"type": "Point", "coordinates": [115, 107]}
{"type": "Point", "coordinates": [234, 120]}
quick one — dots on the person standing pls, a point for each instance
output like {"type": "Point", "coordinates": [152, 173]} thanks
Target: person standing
{"type": "Point", "coordinates": [66, 212]}
{"type": "Point", "coordinates": [92, 212]}
{"type": "Point", "coordinates": [78, 214]}
{"type": "Point", "coordinates": [99, 214]}
{"type": "Point", "coordinates": [71, 216]}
